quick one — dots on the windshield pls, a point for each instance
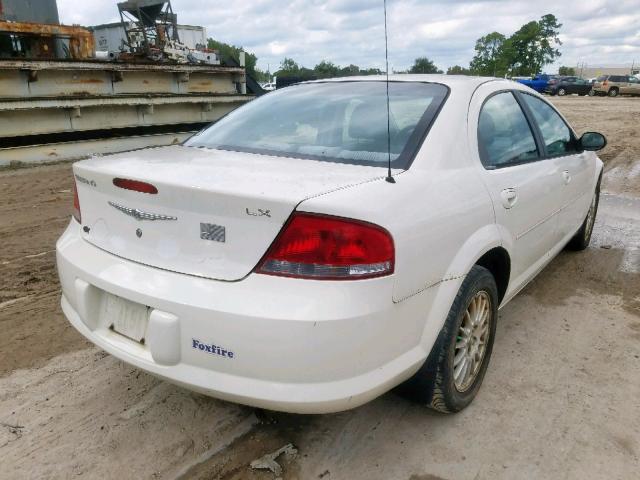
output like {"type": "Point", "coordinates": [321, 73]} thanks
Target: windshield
{"type": "Point", "coordinates": [333, 121]}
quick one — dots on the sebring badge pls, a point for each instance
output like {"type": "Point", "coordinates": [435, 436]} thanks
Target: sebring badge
{"type": "Point", "coordinates": [140, 215]}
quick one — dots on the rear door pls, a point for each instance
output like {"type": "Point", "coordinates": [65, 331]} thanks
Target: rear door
{"type": "Point", "coordinates": [569, 84]}
{"type": "Point", "coordinates": [576, 167]}
{"type": "Point", "coordinates": [582, 86]}
{"type": "Point", "coordinates": [525, 189]}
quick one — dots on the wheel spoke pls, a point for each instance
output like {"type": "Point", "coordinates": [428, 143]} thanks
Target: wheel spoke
{"type": "Point", "coordinates": [458, 370]}
{"type": "Point", "coordinates": [461, 355]}
{"type": "Point", "coordinates": [485, 325]}
{"type": "Point", "coordinates": [462, 371]}
{"type": "Point", "coordinates": [466, 319]}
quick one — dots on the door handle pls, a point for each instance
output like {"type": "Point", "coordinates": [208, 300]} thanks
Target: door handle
{"type": "Point", "coordinates": [566, 176]}
{"type": "Point", "coordinates": [509, 197]}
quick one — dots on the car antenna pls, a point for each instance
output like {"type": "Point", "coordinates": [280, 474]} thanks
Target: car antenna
{"type": "Point", "coordinates": [389, 178]}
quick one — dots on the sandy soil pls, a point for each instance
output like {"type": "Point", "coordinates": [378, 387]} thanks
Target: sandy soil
{"type": "Point", "coordinates": [34, 210]}
{"type": "Point", "coordinates": [560, 399]}
{"type": "Point", "coordinates": [619, 120]}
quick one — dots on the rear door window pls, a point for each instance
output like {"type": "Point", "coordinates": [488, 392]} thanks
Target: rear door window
{"type": "Point", "coordinates": [504, 135]}
{"type": "Point", "coordinates": [557, 135]}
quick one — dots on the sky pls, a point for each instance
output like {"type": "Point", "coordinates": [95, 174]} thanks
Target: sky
{"type": "Point", "coordinates": [596, 32]}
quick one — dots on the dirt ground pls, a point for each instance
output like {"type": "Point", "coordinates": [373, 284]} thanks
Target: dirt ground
{"type": "Point", "coordinates": [561, 398]}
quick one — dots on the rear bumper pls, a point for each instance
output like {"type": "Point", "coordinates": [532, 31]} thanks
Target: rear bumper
{"type": "Point", "coordinates": [298, 345]}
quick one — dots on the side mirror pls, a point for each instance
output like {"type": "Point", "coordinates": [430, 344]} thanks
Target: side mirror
{"type": "Point", "coordinates": [593, 141]}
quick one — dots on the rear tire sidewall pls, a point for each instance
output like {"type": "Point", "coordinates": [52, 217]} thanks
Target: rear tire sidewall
{"type": "Point", "coordinates": [433, 384]}
{"type": "Point", "coordinates": [582, 238]}
{"type": "Point", "coordinates": [480, 279]}
{"type": "Point", "coordinates": [562, 92]}
{"type": "Point", "coordinates": [588, 232]}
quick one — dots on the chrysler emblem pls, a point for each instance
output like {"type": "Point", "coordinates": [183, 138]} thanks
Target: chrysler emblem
{"type": "Point", "coordinates": [140, 215]}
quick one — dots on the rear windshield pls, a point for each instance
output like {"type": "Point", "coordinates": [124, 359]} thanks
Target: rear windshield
{"type": "Point", "coordinates": [602, 78]}
{"type": "Point", "coordinates": [333, 121]}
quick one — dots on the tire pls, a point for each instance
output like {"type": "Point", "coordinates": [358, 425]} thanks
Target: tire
{"type": "Point", "coordinates": [613, 92]}
{"type": "Point", "coordinates": [592, 92]}
{"type": "Point", "coordinates": [562, 92]}
{"type": "Point", "coordinates": [434, 384]}
{"type": "Point", "coordinates": [582, 238]}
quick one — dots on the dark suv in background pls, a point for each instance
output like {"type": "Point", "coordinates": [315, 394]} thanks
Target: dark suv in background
{"type": "Point", "coordinates": [614, 85]}
{"type": "Point", "coordinates": [568, 85]}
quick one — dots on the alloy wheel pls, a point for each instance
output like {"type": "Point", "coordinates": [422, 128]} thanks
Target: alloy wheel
{"type": "Point", "coordinates": [471, 341]}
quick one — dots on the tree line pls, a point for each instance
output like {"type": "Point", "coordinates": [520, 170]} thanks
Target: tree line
{"type": "Point", "coordinates": [525, 53]}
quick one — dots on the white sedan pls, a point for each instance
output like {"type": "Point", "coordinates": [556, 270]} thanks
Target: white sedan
{"type": "Point", "coordinates": [271, 260]}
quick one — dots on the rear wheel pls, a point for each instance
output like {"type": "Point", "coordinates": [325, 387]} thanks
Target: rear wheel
{"type": "Point", "coordinates": [562, 92]}
{"type": "Point", "coordinates": [452, 374]}
{"type": "Point", "coordinates": [613, 92]}
{"type": "Point", "coordinates": [581, 239]}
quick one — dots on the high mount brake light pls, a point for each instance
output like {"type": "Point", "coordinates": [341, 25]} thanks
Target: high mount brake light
{"type": "Point", "coordinates": [76, 203]}
{"type": "Point", "coordinates": [135, 185]}
{"type": "Point", "coordinates": [329, 248]}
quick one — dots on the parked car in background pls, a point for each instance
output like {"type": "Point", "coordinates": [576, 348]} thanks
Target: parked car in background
{"type": "Point", "coordinates": [568, 85]}
{"type": "Point", "coordinates": [614, 85]}
{"type": "Point", "coordinates": [538, 83]}
{"type": "Point", "coordinates": [324, 243]}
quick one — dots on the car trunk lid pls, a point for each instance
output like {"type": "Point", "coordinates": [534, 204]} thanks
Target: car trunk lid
{"type": "Point", "coordinates": [215, 212]}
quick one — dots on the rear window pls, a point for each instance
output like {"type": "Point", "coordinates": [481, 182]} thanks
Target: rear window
{"type": "Point", "coordinates": [602, 78]}
{"type": "Point", "coordinates": [333, 121]}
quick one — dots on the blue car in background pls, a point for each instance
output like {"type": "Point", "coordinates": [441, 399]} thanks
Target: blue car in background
{"type": "Point", "coordinates": [539, 83]}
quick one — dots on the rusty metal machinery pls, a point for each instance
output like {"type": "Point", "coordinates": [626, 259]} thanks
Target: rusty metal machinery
{"type": "Point", "coordinates": [38, 41]}
{"type": "Point", "coordinates": [151, 30]}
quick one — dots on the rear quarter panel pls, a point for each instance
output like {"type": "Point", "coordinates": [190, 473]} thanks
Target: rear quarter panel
{"type": "Point", "coordinates": [438, 211]}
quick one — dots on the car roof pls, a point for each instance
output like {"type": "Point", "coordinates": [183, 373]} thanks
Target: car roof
{"type": "Point", "coordinates": [454, 82]}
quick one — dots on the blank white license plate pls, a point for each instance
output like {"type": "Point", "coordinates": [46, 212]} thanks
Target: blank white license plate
{"type": "Point", "coordinates": [127, 318]}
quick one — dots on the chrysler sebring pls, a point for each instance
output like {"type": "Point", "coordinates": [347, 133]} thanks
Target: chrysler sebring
{"type": "Point", "coordinates": [319, 246]}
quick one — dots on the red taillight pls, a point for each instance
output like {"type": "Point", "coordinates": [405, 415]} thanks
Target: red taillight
{"type": "Point", "coordinates": [76, 203]}
{"type": "Point", "coordinates": [605, 83]}
{"type": "Point", "coordinates": [135, 185]}
{"type": "Point", "coordinates": [329, 248]}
